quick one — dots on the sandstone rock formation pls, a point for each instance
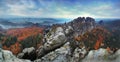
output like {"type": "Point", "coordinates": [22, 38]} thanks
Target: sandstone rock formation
{"type": "Point", "coordinates": [54, 39]}
{"type": "Point", "coordinates": [7, 56]}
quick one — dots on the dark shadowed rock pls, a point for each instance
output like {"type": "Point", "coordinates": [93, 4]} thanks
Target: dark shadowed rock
{"type": "Point", "coordinates": [28, 53]}
{"type": "Point", "coordinates": [81, 24]}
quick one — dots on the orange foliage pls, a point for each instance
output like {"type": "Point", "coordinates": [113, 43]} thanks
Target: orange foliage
{"type": "Point", "coordinates": [94, 38]}
{"type": "Point", "coordinates": [77, 38]}
{"type": "Point", "coordinates": [6, 48]}
{"type": "Point", "coordinates": [108, 49]}
{"type": "Point", "coordinates": [101, 34]}
{"type": "Point", "coordinates": [15, 49]}
{"type": "Point", "coordinates": [98, 42]}
{"type": "Point", "coordinates": [22, 33]}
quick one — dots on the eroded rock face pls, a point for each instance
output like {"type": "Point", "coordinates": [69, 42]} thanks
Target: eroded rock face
{"type": "Point", "coordinates": [102, 55]}
{"type": "Point", "coordinates": [54, 40]}
{"type": "Point", "coordinates": [81, 24]}
{"type": "Point", "coordinates": [59, 55]}
{"type": "Point", "coordinates": [63, 55]}
{"type": "Point", "coordinates": [7, 56]}
{"type": "Point", "coordinates": [78, 54]}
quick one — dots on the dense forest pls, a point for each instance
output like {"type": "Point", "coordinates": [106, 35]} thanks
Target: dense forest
{"type": "Point", "coordinates": [18, 39]}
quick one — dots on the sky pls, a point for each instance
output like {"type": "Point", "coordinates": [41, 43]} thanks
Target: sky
{"type": "Point", "coordinates": [60, 8]}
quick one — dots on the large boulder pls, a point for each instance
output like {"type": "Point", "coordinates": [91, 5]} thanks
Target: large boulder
{"type": "Point", "coordinates": [78, 54]}
{"type": "Point", "coordinates": [54, 39]}
{"type": "Point", "coordinates": [102, 55]}
{"type": "Point", "coordinates": [61, 54]}
{"type": "Point", "coordinates": [7, 56]}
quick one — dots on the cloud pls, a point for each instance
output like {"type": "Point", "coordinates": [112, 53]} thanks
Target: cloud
{"type": "Point", "coordinates": [59, 8]}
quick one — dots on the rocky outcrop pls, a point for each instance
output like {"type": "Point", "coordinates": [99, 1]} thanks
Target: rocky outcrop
{"type": "Point", "coordinates": [60, 45]}
{"type": "Point", "coordinates": [63, 54]}
{"type": "Point", "coordinates": [81, 24]}
{"type": "Point", "coordinates": [59, 55]}
{"type": "Point", "coordinates": [61, 37]}
{"type": "Point", "coordinates": [7, 56]}
{"type": "Point", "coordinates": [78, 54]}
{"type": "Point", "coordinates": [102, 55]}
{"type": "Point", "coordinates": [54, 39]}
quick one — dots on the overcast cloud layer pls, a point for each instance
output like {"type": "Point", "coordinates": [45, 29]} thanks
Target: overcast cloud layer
{"type": "Point", "coordinates": [60, 8]}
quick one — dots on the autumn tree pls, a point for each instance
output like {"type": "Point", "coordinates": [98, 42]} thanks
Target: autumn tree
{"type": "Point", "coordinates": [93, 39]}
